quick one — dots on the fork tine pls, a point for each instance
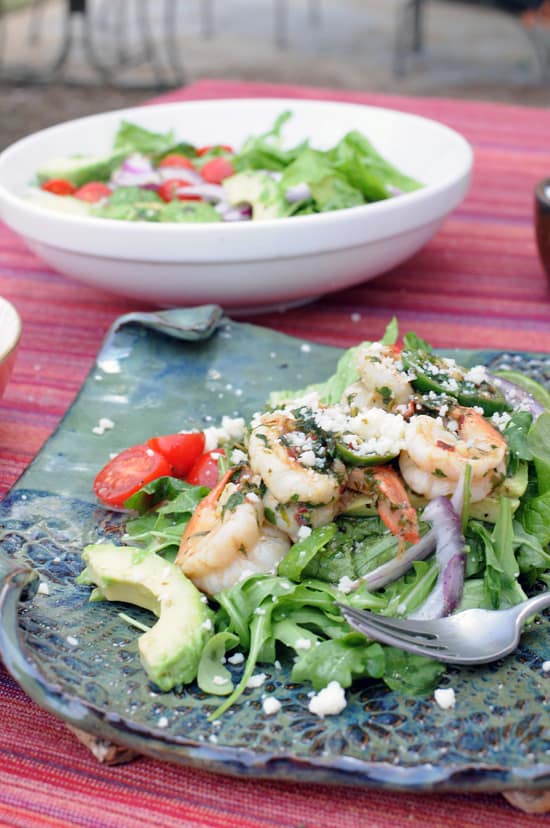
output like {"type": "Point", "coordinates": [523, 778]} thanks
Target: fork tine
{"type": "Point", "coordinates": [383, 629]}
{"type": "Point", "coordinates": [421, 628]}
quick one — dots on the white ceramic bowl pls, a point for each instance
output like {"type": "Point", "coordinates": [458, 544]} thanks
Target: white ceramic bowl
{"type": "Point", "coordinates": [248, 265]}
{"type": "Point", "coordinates": [10, 333]}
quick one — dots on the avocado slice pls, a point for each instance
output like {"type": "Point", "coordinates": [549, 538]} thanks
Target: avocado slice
{"type": "Point", "coordinates": [170, 651]}
{"type": "Point", "coordinates": [79, 169]}
{"type": "Point", "coordinates": [258, 189]}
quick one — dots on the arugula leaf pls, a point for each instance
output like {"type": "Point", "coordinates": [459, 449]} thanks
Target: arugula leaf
{"type": "Point", "coordinates": [334, 193]}
{"type": "Point", "coordinates": [212, 676]}
{"type": "Point", "coordinates": [535, 517]}
{"type": "Point", "coordinates": [538, 441]}
{"type": "Point", "coordinates": [303, 551]}
{"type": "Point", "coordinates": [182, 496]}
{"type": "Point", "coordinates": [533, 558]}
{"type": "Point", "coordinates": [516, 433]}
{"type": "Point", "coordinates": [165, 506]}
{"type": "Point", "coordinates": [412, 342]}
{"type": "Point", "coordinates": [409, 674]}
{"type": "Point", "coordinates": [264, 152]}
{"type": "Point", "coordinates": [343, 660]}
{"type": "Point", "coordinates": [135, 138]}
{"type": "Point", "coordinates": [367, 158]}
{"type": "Point", "coordinates": [260, 631]}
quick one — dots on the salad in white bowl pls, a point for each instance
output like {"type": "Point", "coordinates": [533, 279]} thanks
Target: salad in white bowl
{"type": "Point", "coordinates": [157, 177]}
{"type": "Point", "coordinates": [319, 231]}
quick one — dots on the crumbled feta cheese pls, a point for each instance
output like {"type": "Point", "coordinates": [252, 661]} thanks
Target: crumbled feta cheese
{"type": "Point", "coordinates": [271, 705]}
{"type": "Point", "coordinates": [303, 532]}
{"type": "Point", "coordinates": [72, 641]}
{"type": "Point", "coordinates": [238, 457]}
{"type": "Point", "coordinates": [501, 420]}
{"type": "Point", "coordinates": [219, 680]}
{"type": "Point", "coordinates": [330, 701]}
{"type": "Point", "coordinates": [103, 425]}
{"type": "Point", "coordinates": [303, 644]}
{"type": "Point", "coordinates": [236, 658]}
{"type": "Point", "coordinates": [445, 697]}
{"type": "Point", "coordinates": [546, 666]}
{"type": "Point", "coordinates": [256, 681]}
{"type": "Point", "coordinates": [162, 722]}
{"type": "Point", "coordinates": [477, 375]}
{"type": "Point", "coordinates": [110, 366]}
{"type": "Point", "coordinates": [43, 588]}
{"type": "Point", "coordinates": [345, 584]}
{"type": "Point", "coordinates": [231, 429]}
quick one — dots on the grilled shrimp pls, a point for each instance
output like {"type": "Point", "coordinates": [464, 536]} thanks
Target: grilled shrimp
{"type": "Point", "coordinates": [435, 454]}
{"type": "Point", "coordinates": [290, 517]}
{"type": "Point", "coordinates": [225, 540]}
{"type": "Point", "coordinates": [285, 457]}
{"type": "Point", "coordinates": [390, 498]}
{"type": "Point", "coordinates": [384, 382]}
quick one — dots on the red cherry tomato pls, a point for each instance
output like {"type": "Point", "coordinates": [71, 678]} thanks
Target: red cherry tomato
{"type": "Point", "coordinates": [180, 450]}
{"type": "Point", "coordinates": [173, 189]}
{"type": "Point", "coordinates": [176, 160]}
{"type": "Point", "coordinates": [215, 170]}
{"type": "Point", "coordinates": [59, 186]}
{"type": "Point", "coordinates": [210, 147]}
{"type": "Point", "coordinates": [92, 191]}
{"type": "Point", "coordinates": [205, 470]}
{"type": "Point", "coordinates": [127, 472]}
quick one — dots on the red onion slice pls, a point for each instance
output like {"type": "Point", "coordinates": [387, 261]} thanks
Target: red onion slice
{"type": "Point", "coordinates": [300, 192]}
{"type": "Point", "coordinates": [392, 570]}
{"type": "Point", "coordinates": [183, 173]}
{"type": "Point", "coordinates": [135, 171]}
{"type": "Point", "coordinates": [517, 397]}
{"type": "Point", "coordinates": [450, 554]}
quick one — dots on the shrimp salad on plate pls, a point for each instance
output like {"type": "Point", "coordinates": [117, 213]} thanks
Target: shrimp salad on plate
{"type": "Point", "coordinates": [404, 484]}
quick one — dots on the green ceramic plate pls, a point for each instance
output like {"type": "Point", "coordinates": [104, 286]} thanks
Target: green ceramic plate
{"type": "Point", "coordinates": [180, 369]}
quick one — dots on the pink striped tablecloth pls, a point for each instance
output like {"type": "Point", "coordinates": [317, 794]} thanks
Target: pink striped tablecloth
{"type": "Point", "coordinates": [477, 284]}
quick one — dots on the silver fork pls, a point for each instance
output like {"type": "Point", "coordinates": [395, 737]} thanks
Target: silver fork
{"type": "Point", "coordinates": [474, 636]}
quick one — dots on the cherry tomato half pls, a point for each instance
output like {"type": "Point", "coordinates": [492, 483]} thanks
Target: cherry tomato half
{"type": "Point", "coordinates": [58, 186]}
{"type": "Point", "coordinates": [180, 450]}
{"type": "Point", "coordinates": [210, 147]}
{"type": "Point", "coordinates": [176, 160]}
{"type": "Point", "coordinates": [205, 470]}
{"type": "Point", "coordinates": [215, 170]}
{"type": "Point", "coordinates": [174, 189]}
{"type": "Point", "coordinates": [92, 191]}
{"type": "Point", "coordinates": [127, 472]}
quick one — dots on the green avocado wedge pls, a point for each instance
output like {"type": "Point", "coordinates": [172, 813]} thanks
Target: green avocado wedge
{"type": "Point", "coordinates": [170, 651]}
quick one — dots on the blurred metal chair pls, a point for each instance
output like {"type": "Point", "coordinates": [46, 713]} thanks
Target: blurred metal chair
{"type": "Point", "coordinates": [280, 19]}
{"type": "Point", "coordinates": [105, 36]}
{"type": "Point", "coordinates": [410, 30]}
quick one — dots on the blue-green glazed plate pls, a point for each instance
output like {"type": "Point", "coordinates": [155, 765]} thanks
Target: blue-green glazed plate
{"type": "Point", "coordinates": [159, 373]}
